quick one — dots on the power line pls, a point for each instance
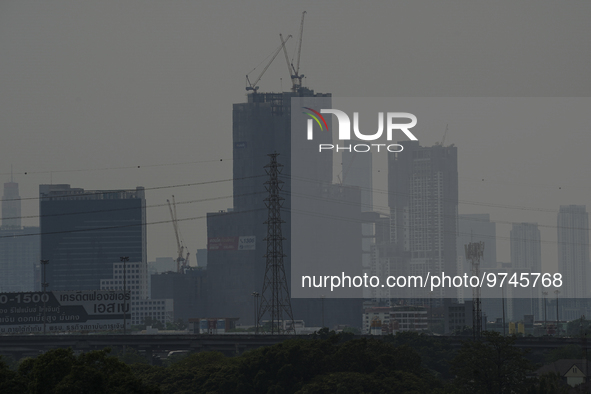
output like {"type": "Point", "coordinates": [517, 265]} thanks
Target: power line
{"type": "Point", "coordinates": [95, 193]}
{"type": "Point", "coordinates": [119, 226]}
{"type": "Point", "coordinates": [132, 208]}
{"type": "Point", "coordinates": [463, 202]}
{"type": "Point", "coordinates": [116, 168]}
{"type": "Point", "coordinates": [351, 203]}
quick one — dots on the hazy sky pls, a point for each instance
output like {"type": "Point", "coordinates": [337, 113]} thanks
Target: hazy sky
{"type": "Point", "coordinates": [91, 90]}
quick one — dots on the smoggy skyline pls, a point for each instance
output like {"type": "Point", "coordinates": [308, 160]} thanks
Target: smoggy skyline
{"type": "Point", "coordinates": [110, 95]}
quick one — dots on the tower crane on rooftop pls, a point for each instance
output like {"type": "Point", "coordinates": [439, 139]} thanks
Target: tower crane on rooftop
{"type": "Point", "coordinates": [296, 69]}
{"type": "Point", "coordinates": [253, 86]}
{"type": "Point", "coordinates": [181, 262]}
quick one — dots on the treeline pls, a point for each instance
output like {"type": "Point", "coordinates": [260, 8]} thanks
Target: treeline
{"type": "Point", "coordinates": [326, 363]}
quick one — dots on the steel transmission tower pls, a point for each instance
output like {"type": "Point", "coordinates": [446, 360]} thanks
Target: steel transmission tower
{"type": "Point", "coordinates": [474, 252]}
{"type": "Point", "coordinates": [275, 297]}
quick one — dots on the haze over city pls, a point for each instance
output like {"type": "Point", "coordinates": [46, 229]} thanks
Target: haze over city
{"type": "Point", "coordinates": [185, 209]}
{"type": "Point", "coordinates": [117, 95]}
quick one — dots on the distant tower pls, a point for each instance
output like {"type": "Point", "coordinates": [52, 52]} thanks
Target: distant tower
{"type": "Point", "coordinates": [11, 205]}
{"type": "Point", "coordinates": [423, 200]}
{"type": "Point", "coordinates": [357, 171]}
{"type": "Point", "coordinates": [275, 297]}
{"type": "Point", "coordinates": [474, 252]}
{"type": "Point", "coordinates": [526, 256]}
{"type": "Point", "coordinates": [526, 247]}
{"type": "Point", "coordinates": [573, 250]}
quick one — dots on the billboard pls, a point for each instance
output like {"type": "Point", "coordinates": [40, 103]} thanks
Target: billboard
{"type": "Point", "coordinates": [63, 311]}
{"type": "Point", "coordinates": [232, 243]}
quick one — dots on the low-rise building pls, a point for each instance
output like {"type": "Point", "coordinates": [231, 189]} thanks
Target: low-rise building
{"type": "Point", "coordinates": [160, 310]}
{"type": "Point", "coordinates": [390, 320]}
{"type": "Point", "coordinates": [572, 371]}
{"type": "Point", "coordinates": [136, 283]}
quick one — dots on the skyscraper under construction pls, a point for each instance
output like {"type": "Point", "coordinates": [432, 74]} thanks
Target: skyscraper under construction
{"type": "Point", "coordinates": [236, 245]}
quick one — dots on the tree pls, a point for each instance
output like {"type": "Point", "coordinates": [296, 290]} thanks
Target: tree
{"type": "Point", "coordinates": [352, 330]}
{"type": "Point", "coordinates": [95, 372]}
{"type": "Point", "coordinates": [178, 324]}
{"type": "Point", "coordinates": [492, 365]}
{"type": "Point", "coordinates": [130, 356]}
{"type": "Point", "coordinates": [549, 383]}
{"type": "Point", "coordinates": [579, 327]}
{"type": "Point", "coordinates": [564, 352]}
{"type": "Point", "coordinates": [149, 321]}
{"type": "Point", "coordinates": [436, 352]}
{"type": "Point", "coordinates": [10, 383]}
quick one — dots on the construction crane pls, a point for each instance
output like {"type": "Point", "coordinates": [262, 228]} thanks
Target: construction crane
{"type": "Point", "coordinates": [444, 135]}
{"type": "Point", "coordinates": [181, 262]}
{"type": "Point", "coordinates": [253, 86]}
{"type": "Point", "coordinates": [296, 69]}
{"type": "Point", "coordinates": [293, 87]}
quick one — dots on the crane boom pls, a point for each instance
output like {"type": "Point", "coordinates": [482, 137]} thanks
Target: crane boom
{"type": "Point", "coordinates": [253, 86]}
{"type": "Point", "coordinates": [293, 85]}
{"type": "Point", "coordinates": [176, 233]}
{"type": "Point", "coordinates": [444, 134]}
{"type": "Point", "coordinates": [296, 69]}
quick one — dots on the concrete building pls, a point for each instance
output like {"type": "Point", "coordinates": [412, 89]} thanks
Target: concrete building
{"type": "Point", "coordinates": [526, 256]}
{"type": "Point", "coordinates": [136, 278]}
{"type": "Point", "coordinates": [390, 320]}
{"type": "Point", "coordinates": [201, 258]}
{"type": "Point", "coordinates": [19, 247]}
{"type": "Point", "coordinates": [526, 247]}
{"type": "Point", "coordinates": [156, 309]}
{"type": "Point", "coordinates": [383, 262]}
{"type": "Point", "coordinates": [19, 254]}
{"type": "Point", "coordinates": [356, 171]}
{"type": "Point", "coordinates": [11, 206]}
{"type": "Point", "coordinates": [458, 316]}
{"type": "Point", "coordinates": [573, 250]}
{"type": "Point", "coordinates": [188, 291]}
{"type": "Point", "coordinates": [262, 126]}
{"type": "Point", "coordinates": [85, 231]}
{"type": "Point", "coordinates": [423, 201]}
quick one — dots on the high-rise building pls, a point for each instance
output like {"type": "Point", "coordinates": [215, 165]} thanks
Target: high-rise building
{"type": "Point", "coordinates": [19, 253]}
{"type": "Point", "coordinates": [357, 171]}
{"type": "Point", "coordinates": [526, 247]}
{"type": "Point", "coordinates": [19, 247]}
{"type": "Point", "coordinates": [423, 200]}
{"type": "Point", "coordinates": [84, 232]}
{"type": "Point", "coordinates": [526, 257]}
{"type": "Point", "coordinates": [236, 237]}
{"type": "Point", "coordinates": [187, 290]}
{"type": "Point", "coordinates": [573, 250]}
{"type": "Point", "coordinates": [11, 206]}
